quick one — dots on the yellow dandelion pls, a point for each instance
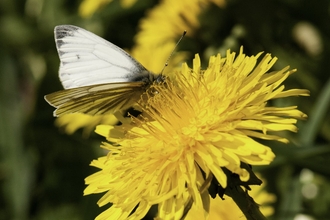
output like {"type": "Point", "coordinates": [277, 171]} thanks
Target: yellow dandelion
{"type": "Point", "coordinates": [162, 52]}
{"type": "Point", "coordinates": [72, 122]}
{"type": "Point", "coordinates": [161, 27]}
{"type": "Point", "coordinates": [193, 126]}
{"type": "Point", "coordinates": [169, 19]}
{"type": "Point", "coordinates": [88, 7]}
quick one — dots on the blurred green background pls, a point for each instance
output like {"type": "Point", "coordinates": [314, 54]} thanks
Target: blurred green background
{"type": "Point", "coordinates": [42, 169]}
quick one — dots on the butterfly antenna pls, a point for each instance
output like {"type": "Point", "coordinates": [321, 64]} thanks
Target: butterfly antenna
{"type": "Point", "coordinates": [176, 45]}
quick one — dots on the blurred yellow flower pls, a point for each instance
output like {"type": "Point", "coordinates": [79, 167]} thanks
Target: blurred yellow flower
{"type": "Point", "coordinates": [72, 122]}
{"type": "Point", "coordinates": [88, 7]}
{"type": "Point", "coordinates": [161, 28]}
{"type": "Point", "coordinates": [169, 19]}
{"type": "Point", "coordinates": [193, 124]}
{"type": "Point", "coordinates": [161, 52]}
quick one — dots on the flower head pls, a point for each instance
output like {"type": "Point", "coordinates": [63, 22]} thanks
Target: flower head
{"type": "Point", "coordinates": [166, 21]}
{"type": "Point", "coordinates": [193, 125]}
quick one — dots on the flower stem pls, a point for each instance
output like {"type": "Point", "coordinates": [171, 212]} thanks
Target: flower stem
{"type": "Point", "coordinates": [246, 203]}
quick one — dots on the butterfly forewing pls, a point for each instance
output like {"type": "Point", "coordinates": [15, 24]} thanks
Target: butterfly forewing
{"type": "Point", "coordinates": [87, 59]}
{"type": "Point", "coordinates": [96, 99]}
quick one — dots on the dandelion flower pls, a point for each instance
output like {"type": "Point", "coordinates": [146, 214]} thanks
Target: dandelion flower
{"type": "Point", "coordinates": [88, 7]}
{"type": "Point", "coordinates": [169, 18]}
{"type": "Point", "coordinates": [161, 27]}
{"type": "Point", "coordinates": [72, 122]}
{"type": "Point", "coordinates": [193, 126]}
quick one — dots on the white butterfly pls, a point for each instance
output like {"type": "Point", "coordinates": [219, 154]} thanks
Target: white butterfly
{"type": "Point", "coordinates": [98, 76]}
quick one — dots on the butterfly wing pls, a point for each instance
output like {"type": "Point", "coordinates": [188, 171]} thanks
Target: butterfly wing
{"type": "Point", "coordinates": [96, 99]}
{"type": "Point", "coordinates": [87, 59]}
{"type": "Point", "coordinates": [99, 77]}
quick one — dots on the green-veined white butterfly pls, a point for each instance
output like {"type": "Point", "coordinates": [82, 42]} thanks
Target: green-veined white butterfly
{"type": "Point", "coordinates": [98, 77]}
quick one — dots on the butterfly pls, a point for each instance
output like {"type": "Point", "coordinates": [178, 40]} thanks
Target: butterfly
{"type": "Point", "coordinates": [98, 77]}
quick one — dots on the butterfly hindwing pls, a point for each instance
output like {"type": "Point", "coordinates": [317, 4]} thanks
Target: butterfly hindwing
{"type": "Point", "coordinates": [96, 99]}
